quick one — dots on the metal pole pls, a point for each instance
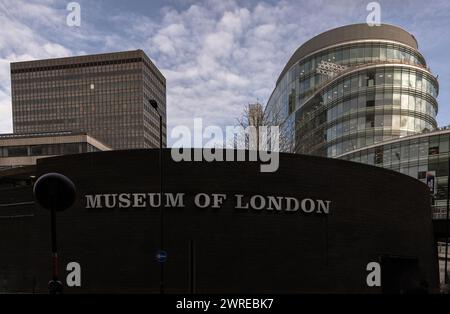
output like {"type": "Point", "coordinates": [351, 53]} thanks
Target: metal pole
{"type": "Point", "coordinates": [55, 287]}
{"type": "Point", "coordinates": [55, 272]}
{"type": "Point", "coordinates": [191, 266]}
{"type": "Point", "coordinates": [446, 223]}
{"type": "Point", "coordinates": [161, 204]}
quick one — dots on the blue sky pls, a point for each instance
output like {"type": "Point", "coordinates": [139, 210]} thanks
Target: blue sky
{"type": "Point", "coordinates": [217, 55]}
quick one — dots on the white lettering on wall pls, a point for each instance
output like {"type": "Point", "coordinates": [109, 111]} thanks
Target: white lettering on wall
{"type": "Point", "coordinates": [202, 200]}
{"type": "Point", "coordinates": [205, 200]}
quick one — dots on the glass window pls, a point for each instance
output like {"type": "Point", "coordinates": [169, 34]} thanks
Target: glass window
{"type": "Point", "coordinates": [339, 55]}
{"type": "Point", "coordinates": [405, 151]}
{"type": "Point", "coordinates": [444, 143]}
{"type": "Point", "coordinates": [388, 99]}
{"type": "Point", "coordinates": [395, 156]}
{"type": "Point", "coordinates": [379, 120]}
{"type": "Point", "coordinates": [390, 53]}
{"type": "Point", "coordinates": [375, 53]}
{"type": "Point", "coordinates": [396, 101]}
{"type": "Point", "coordinates": [387, 119]}
{"type": "Point", "coordinates": [423, 149]}
{"type": "Point", "coordinates": [361, 123]}
{"type": "Point", "coordinates": [346, 107]}
{"type": "Point", "coordinates": [364, 158]}
{"type": "Point", "coordinates": [379, 99]}
{"type": "Point", "coordinates": [353, 125]}
{"type": "Point", "coordinates": [370, 79]}
{"type": "Point", "coordinates": [405, 78]}
{"type": "Point", "coordinates": [371, 157]}
{"type": "Point", "coordinates": [354, 83]}
{"type": "Point", "coordinates": [411, 103]}
{"type": "Point", "coordinates": [414, 150]}
{"type": "Point", "coordinates": [419, 79]}
{"type": "Point", "coordinates": [404, 122]}
{"type": "Point", "coordinates": [397, 77]}
{"type": "Point", "coordinates": [17, 151]}
{"type": "Point", "coordinates": [434, 146]}
{"type": "Point", "coordinates": [346, 55]}
{"type": "Point", "coordinates": [360, 55]}
{"type": "Point", "coordinates": [353, 55]}
{"type": "Point", "coordinates": [361, 101]}
{"type": "Point", "coordinates": [339, 130]}
{"type": "Point", "coordinates": [361, 142]}
{"type": "Point", "coordinates": [370, 120]}
{"type": "Point", "coordinates": [370, 101]}
{"type": "Point", "coordinates": [368, 53]}
{"type": "Point", "coordinates": [332, 56]}
{"type": "Point", "coordinates": [307, 66]}
{"type": "Point", "coordinates": [379, 78]}
{"type": "Point", "coordinates": [404, 101]}
{"type": "Point", "coordinates": [340, 109]}
{"type": "Point", "coordinates": [353, 105]}
{"type": "Point", "coordinates": [383, 53]}
{"type": "Point", "coordinates": [412, 80]}
{"type": "Point", "coordinates": [411, 124]}
{"type": "Point", "coordinates": [389, 77]}
{"type": "Point", "coordinates": [347, 86]}
{"type": "Point", "coordinates": [379, 154]}
{"type": "Point", "coordinates": [387, 156]}
{"type": "Point", "coordinates": [346, 127]}
{"type": "Point", "coordinates": [395, 122]}
{"type": "Point", "coordinates": [413, 171]}
{"type": "Point", "coordinates": [340, 89]}
{"type": "Point", "coordinates": [396, 53]}
{"type": "Point", "coordinates": [36, 150]}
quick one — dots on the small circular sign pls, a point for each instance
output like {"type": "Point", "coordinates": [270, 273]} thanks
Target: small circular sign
{"type": "Point", "coordinates": [54, 191]}
{"type": "Point", "coordinates": [161, 256]}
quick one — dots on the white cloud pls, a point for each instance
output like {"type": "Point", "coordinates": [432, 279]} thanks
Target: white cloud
{"type": "Point", "coordinates": [217, 55]}
{"type": "Point", "coordinates": [5, 113]}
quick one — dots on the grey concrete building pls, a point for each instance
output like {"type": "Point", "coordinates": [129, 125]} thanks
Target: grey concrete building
{"type": "Point", "coordinates": [19, 150]}
{"type": "Point", "coordinates": [104, 95]}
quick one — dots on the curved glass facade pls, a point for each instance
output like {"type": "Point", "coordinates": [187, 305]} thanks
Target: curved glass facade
{"type": "Point", "coordinates": [364, 107]}
{"type": "Point", "coordinates": [366, 100]}
{"type": "Point", "coordinates": [417, 156]}
{"type": "Point", "coordinates": [382, 91]}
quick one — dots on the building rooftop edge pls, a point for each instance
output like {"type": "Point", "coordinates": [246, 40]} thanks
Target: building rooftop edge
{"type": "Point", "coordinates": [348, 33]}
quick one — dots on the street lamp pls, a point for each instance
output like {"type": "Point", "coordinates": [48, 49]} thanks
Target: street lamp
{"type": "Point", "coordinates": [161, 255]}
{"type": "Point", "coordinates": [54, 192]}
{"type": "Point", "coordinates": [446, 226]}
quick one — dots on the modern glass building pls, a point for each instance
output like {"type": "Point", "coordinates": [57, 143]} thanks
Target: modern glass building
{"type": "Point", "coordinates": [424, 157]}
{"type": "Point", "coordinates": [352, 87]}
{"type": "Point", "coordinates": [365, 94]}
{"type": "Point", "coordinates": [105, 95]}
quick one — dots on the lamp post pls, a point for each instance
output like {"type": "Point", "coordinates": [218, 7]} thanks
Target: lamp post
{"type": "Point", "coordinates": [54, 192]}
{"type": "Point", "coordinates": [160, 256]}
{"type": "Point", "coordinates": [446, 226]}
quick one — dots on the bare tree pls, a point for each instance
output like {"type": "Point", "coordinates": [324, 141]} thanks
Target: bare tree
{"type": "Point", "coordinates": [252, 116]}
{"type": "Point", "coordinates": [277, 119]}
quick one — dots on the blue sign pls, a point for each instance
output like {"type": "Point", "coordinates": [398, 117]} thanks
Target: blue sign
{"type": "Point", "coordinates": [161, 256]}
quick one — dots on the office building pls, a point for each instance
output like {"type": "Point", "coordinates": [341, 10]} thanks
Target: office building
{"type": "Point", "coordinates": [104, 95]}
{"type": "Point", "coordinates": [365, 94]}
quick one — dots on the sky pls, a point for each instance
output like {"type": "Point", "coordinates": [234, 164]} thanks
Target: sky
{"type": "Point", "coordinates": [217, 55]}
